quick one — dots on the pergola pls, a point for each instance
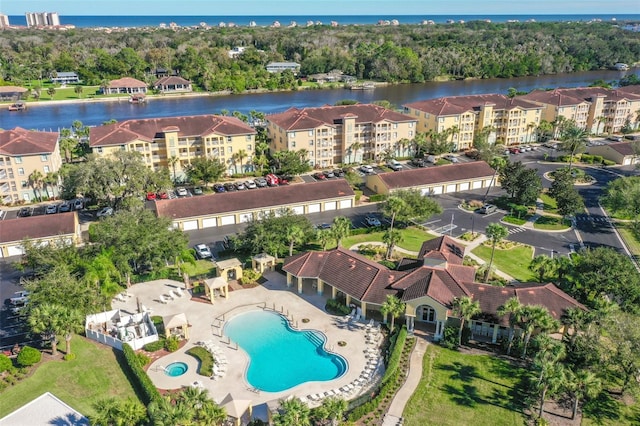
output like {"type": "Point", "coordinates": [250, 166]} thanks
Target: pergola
{"type": "Point", "coordinates": [237, 409]}
{"type": "Point", "coordinates": [217, 283]}
{"type": "Point", "coordinates": [263, 262]}
{"type": "Point", "coordinates": [174, 322]}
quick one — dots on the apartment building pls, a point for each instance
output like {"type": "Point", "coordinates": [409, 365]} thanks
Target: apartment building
{"type": "Point", "coordinates": [4, 21]}
{"type": "Point", "coordinates": [42, 19]}
{"type": "Point", "coordinates": [160, 140]}
{"type": "Point", "coordinates": [512, 121]}
{"type": "Point", "coordinates": [595, 109]}
{"type": "Point", "coordinates": [23, 152]}
{"type": "Point", "coordinates": [344, 134]}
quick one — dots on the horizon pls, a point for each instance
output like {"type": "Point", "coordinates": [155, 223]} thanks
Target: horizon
{"type": "Point", "coordinates": [319, 8]}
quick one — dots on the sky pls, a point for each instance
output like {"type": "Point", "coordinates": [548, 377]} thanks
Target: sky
{"type": "Point", "coordinates": [319, 7]}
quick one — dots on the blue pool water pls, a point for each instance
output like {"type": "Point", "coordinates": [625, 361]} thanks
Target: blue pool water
{"type": "Point", "coordinates": [281, 358]}
{"type": "Point", "coordinates": [176, 369]}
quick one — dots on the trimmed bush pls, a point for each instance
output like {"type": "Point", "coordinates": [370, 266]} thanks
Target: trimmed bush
{"type": "Point", "coordinates": [154, 346]}
{"type": "Point", "coordinates": [450, 338]}
{"type": "Point", "coordinates": [172, 343]}
{"type": "Point", "coordinates": [5, 363]}
{"type": "Point", "coordinates": [394, 358]}
{"type": "Point", "coordinates": [359, 231]}
{"type": "Point", "coordinates": [139, 377]}
{"type": "Point", "coordinates": [608, 162]}
{"type": "Point", "coordinates": [143, 359]}
{"type": "Point", "coordinates": [336, 307]}
{"type": "Point", "coordinates": [377, 197]}
{"type": "Point", "coordinates": [69, 357]}
{"type": "Point", "coordinates": [205, 367]}
{"type": "Point", "coordinates": [29, 356]}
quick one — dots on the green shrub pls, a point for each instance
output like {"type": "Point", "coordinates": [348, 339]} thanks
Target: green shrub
{"type": "Point", "coordinates": [564, 158]}
{"type": "Point", "coordinates": [139, 377]}
{"type": "Point", "coordinates": [586, 158]}
{"type": "Point", "coordinates": [597, 159]}
{"type": "Point", "coordinates": [450, 338]}
{"type": "Point", "coordinates": [154, 346]}
{"type": "Point", "coordinates": [377, 197]}
{"type": "Point", "coordinates": [396, 352]}
{"type": "Point", "coordinates": [143, 359]}
{"type": "Point", "coordinates": [359, 231]}
{"type": "Point", "coordinates": [608, 162]}
{"type": "Point", "coordinates": [69, 357]}
{"type": "Point", "coordinates": [29, 356]}
{"type": "Point", "coordinates": [388, 263]}
{"type": "Point", "coordinates": [205, 367]}
{"type": "Point", "coordinates": [336, 307]}
{"type": "Point", "coordinates": [5, 363]}
{"type": "Point", "coordinates": [172, 343]}
{"type": "Point", "coordinates": [249, 276]}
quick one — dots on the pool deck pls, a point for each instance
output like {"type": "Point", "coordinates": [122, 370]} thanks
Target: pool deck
{"type": "Point", "coordinates": [205, 322]}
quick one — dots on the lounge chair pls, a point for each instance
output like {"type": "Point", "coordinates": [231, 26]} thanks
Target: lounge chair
{"type": "Point", "coordinates": [163, 299]}
{"type": "Point", "coordinates": [179, 291]}
{"type": "Point", "coordinates": [174, 294]}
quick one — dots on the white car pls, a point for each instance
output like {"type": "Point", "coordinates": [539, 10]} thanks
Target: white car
{"type": "Point", "coordinates": [51, 209]}
{"type": "Point", "coordinates": [372, 221]}
{"type": "Point", "coordinates": [104, 212]}
{"type": "Point", "coordinates": [19, 298]}
{"type": "Point", "coordinates": [452, 158]}
{"type": "Point", "coordinates": [250, 184]}
{"type": "Point", "coordinates": [181, 192]}
{"type": "Point", "coordinates": [203, 252]}
{"type": "Point", "coordinates": [366, 169]}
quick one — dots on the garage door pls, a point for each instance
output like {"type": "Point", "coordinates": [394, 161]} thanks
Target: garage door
{"type": "Point", "coordinates": [190, 225]}
{"type": "Point", "coordinates": [228, 220]}
{"type": "Point", "coordinates": [246, 217]}
{"type": "Point", "coordinates": [487, 182]}
{"type": "Point", "coordinates": [451, 188]}
{"type": "Point", "coordinates": [464, 186]}
{"type": "Point", "coordinates": [476, 184]}
{"type": "Point", "coordinates": [345, 204]}
{"type": "Point", "coordinates": [330, 205]}
{"type": "Point", "coordinates": [626, 162]}
{"type": "Point", "coordinates": [15, 251]}
{"type": "Point", "coordinates": [436, 190]}
{"type": "Point", "coordinates": [313, 208]}
{"type": "Point", "coordinates": [298, 209]}
{"type": "Point", "coordinates": [209, 223]}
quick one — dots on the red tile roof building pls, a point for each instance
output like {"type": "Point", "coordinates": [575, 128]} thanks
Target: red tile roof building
{"type": "Point", "coordinates": [23, 152]}
{"type": "Point", "coordinates": [40, 229]}
{"type": "Point", "coordinates": [427, 285]}
{"type": "Point", "coordinates": [125, 85]}
{"type": "Point", "coordinates": [184, 138]}
{"type": "Point", "coordinates": [172, 84]}
{"type": "Point", "coordinates": [341, 134]}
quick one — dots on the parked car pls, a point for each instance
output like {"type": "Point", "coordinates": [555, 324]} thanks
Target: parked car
{"type": "Point", "coordinates": [162, 196]}
{"type": "Point", "coordinates": [197, 191]}
{"type": "Point", "coordinates": [473, 154]}
{"type": "Point", "coordinates": [151, 196]}
{"type": "Point", "coordinates": [418, 162]}
{"type": "Point", "coordinates": [51, 209]}
{"type": "Point", "coordinates": [319, 176]}
{"type": "Point", "coordinates": [431, 159]}
{"type": "Point", "coordinates": [514, 150]}
{"type": "Point", "coordinates": [339, 173]}
{"type": "Point", "coordinates": [323, 226]}
{"type": "Point", "coordinates": [19, 297]}
{"type": "Point", "coordinates": [218, 187]}
{"type": "Point", "coordinates": [182, 192]}
{"type": "Point", "coordinates": [394, 165]}
{"type": "Point", "coordinates": [372, 221]}
{"type": "Point", "coordinates": [78, 204]}
{"type": "Point", "coordinates": [25, 211]}
{"type": "Point", "coordinates": [240, 186]}
{"type": "Point", "coordinates": [250, 184]}
{"type": "Point", "coordinates": [633, 137]}
{"type": "Point", "coordinates": [203, 252]}
{"type": "Point", "coordinates": [261, 182]}
{"type": "Point", "coordinates": [283, 180]}
{"type": "Point", "coordinates": [365, 168]}
{"type": "Point", "coordinates": [104, 212]}
{"type": "Point", "coordinates": [272, 180]}
{"type": "Point", "coordinates": [328, 174]}
{"type": "Point", "coordinates": [229, 187]}
{"type": "Point", "coordinates": [615, 138]}
{"type": "Point", "coordinates": [64, 207]}
{"type": "Point", "coordinates": [487, 208]}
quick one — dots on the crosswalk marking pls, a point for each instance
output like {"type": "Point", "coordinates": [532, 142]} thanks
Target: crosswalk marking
{"type": "Point", "coordinates": [516, 230]}
{"type": "Point", "coordinates": [592, 219]}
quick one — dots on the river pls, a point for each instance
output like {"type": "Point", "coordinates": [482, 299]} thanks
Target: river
{"type": "Point", "coordinates": [52, 117]}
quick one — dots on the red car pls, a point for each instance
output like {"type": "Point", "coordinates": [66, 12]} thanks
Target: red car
{"type": "Point", "coordinates": [151, 196]}
{"type": "Point", "coordinates": [272, 180]}
{"type": "Point", "coordinates": [319, 176]}
{"type": "Point", "coordinates": [162, 195]}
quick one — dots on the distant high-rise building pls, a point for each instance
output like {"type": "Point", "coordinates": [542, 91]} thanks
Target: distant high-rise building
{"type": "Point", "coordinates": [4, 21]}
{"type": "Point", "coordinates": [42, 19]}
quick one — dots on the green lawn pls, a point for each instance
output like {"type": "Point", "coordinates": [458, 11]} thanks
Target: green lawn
{"type": "Point", "coordinates": [412, 238]}
{"type": "Point", "coordinates": [550, 204]}
{"type": "Point", "coordinates": [630, 238]}
{"type": "Point", "coordinates": [514, 261]}
{"type": "Point", "coordinates": [93, 375]}
{"type": "Point", "coordinates": [202, 267]}
{"type": "Point", "coordinates": [551, 223]}
{"type": "Point", "coordinates": [457, 389]}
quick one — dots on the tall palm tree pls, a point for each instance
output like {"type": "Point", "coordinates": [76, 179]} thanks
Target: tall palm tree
{"type": "Point", "coordinates": [333, 408]}
{"type": "Point", "coordinates": [582, 384]}
{"type": "Point", "coordinates": [541, 265]}
{"type": "Point", "coordinates": [172, 162]}
{"type": "Point", "coordinates": [497, 164]}
{"type": "Point", "coordinates": [51, 92]}
{"type": "Point", "coordinates": [353, 150]}
{"type": "Point", "coordinates": [42, 320]}
{"type": "Point", "coordinates": [601, 119]}
{"type": "Point", "coordinates": [511, 307]}
{"type": "Point", "coordinates": [393, 307]}
{"type": "Point", "coordinates": [465, 308]}
{"type": "Point", "coordinates": [36, 181]}
{"type": "Point", "coordinates": [292, 412]}
{"type": "Point", "coordinates": [70, 321]}
{"type": "Point", "coordinates": [530, 318]}
{"type": "Point", "coordinates": [574, 140]}
{"type": "Point", "coordinates": [324, 236]}
{"type": "Point", "coordinates": [341, 228]}
{"type": "Point", "coordinates": [391, 237]}
{"type": "Point", "coordinates": [295, 235]}
{"type": "Point", "coordinates": [495, 233]}
{"type": "Point", "coordinates": [242, 154]}
{"type": "Point", "coordinates": [261, 161]}
{"type": "Point", "coordinates": [553, 379]}
{"type": "Point", "coordinates": [78, 90]}
{"type": "Point", "coordinates": [50, 180]}
{"type": "Point", "coordinates": [530, 128]}
{"type": "Point", "coordinates": [574, 318]}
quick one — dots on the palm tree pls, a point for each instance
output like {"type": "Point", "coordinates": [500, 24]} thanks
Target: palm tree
{"type": "Point", "coordinates": [394, 307]}
{"type": "Point", "coordinates": [261, 161]}
{"type": "Point", "coordinates": [541, 265]}
{"type": "Point", "coordinates": [50, 180]}
{"type": "Point", "coordinates": [553, 379]}
{"type": "Point", "coordinates": [392, 207]}
{"type": "Point", "coordinates": [292, 412]}
{"type": "Point", "coordinates": [391, 237]}
{"type": "Point", "coordinates": [68, 144]}
{"type": "Point", "coordinates": [333, 409]}
{"type": "Point", "coordinates": [324, 236]}
{"type": "Point", "coordinates": [78, 91]}
{"type": "Point", "coordinates": [173, 161]}
{"type": "Point", "coordinates": [42, 320]}
{"type": "Point", "coordinates": [558, 126]}
{"type": "Point", "coordinates": [497, 164]}
{"type": "Point", "coordinates": [36, 180]}
{"type": "Point", "coordinates": [574, 318]}
{"type": "Point", "coordinates": [465, 308]}
{"type": "Point", "coordinates": [295, 235]}
{"type": "Point", "coordinates": [530, 128]}
{"type": "Point", "coordinates": [51, 91]}
{"type": "Point", "coordinates": [403, 144]}
{"type": "Point", "coordinates": [601, 120]}
{"type": "Point", "coordinates": [341, 228]}
{"type": "Point", "coordinates": [511, 307]}
{"type": "Point", "coordinates": [533, 317]}
{"type": "Point", "coordinates": [241, 155]}
{"type": "Point", "coordinates": [353, 149]}
{"type": "Point", "coordinates": [70, 321]}
{"type": "Point", "coordinates": [574, 139]}
{"type": "Point", "coordinates": [262, 148]}
{"type": "Point", "coordinates": [582, 384]}
{"type": "Point", "coordinates": [495, 233]}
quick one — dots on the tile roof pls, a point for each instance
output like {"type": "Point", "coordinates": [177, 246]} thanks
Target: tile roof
{"type": "Point", "coordinates": [19, 141]}
{"type": "Point", "coordinates": [455, 105]}
{"type": "Point", "coordinates": [12, 89]}
{"type": "Point", "coordinates": [578, 95]}
{"type": "Point", "coordinates": [624, 148]}
{"type": "Point", "coordinates": [434, 175]}
{"type": "Point", "coordinates": [548, 295]}
{"type": "Point", "coordinates": [254, 200]}
{"type": "Point", "coordinates": [310, 118]}
{"type": "Point", "coordinates": [633, 89]}
{"type": "Point", "coordinates": [148, 129]}
{"type": "Point", "coordinates": [33, 227]}
{"type": "Point", "coordinates": [450, 250]}
{"type": "Point", "coordinates": [171, 79]}
{"type": "Point", "coordinates": [126, 82]}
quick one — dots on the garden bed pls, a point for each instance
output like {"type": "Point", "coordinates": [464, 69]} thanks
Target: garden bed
{"type": "Point", "coordinates": [551, 223]}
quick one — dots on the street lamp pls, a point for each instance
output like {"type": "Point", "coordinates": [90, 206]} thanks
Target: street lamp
{"type": "Point", "coordinates": [473, 223]}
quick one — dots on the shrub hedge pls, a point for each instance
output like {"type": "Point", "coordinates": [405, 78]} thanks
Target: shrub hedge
{"type": "Point", "coordinates": [29, 356]}
{"type": "Point", "coordinates": [5, 363]}
{"type": "Point", "coordinates": [394, 359]}
{"type": "Point", "coordinates": [139, 377]}
{"type": "Point", "coordinates": [154, 346]}
{"type": "Point", "coordinates": [206, 360]}
{"type": "Point", "coordinates": [377, 197]}
{"type": "Point", "coordinates": [336, 307]}
{"type": "Point", "coordinates": [172, 343]}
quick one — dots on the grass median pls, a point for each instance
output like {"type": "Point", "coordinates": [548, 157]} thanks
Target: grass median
{"type": "Point", "coordinates": [513, 261]}
{"type": "Point", "coordinates": [412, 238]}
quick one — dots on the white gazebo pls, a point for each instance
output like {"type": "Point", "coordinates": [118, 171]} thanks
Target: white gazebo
{"type": "Point", "coordinates": [263, 262]}
{"type": "Point", "coordinates": [238, 410]}
{"type": "Point", "coordinates": [217, 283]}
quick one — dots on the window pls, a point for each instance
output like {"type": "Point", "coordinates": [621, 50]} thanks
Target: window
{"type": "Point", "coordinates": [395, 125]}
{"type": "Point", "coordinates": [291, 134]}
{"type": "Point", "coordinates": [229, 139]}
{"type": "Point", "coordinates": [248, 138]}
{"type": "Point", "coordinates": [310, 132]}
{"type": "Point", "coordinates": [293, 144]}
{"type": "Point", "coordinates": [24, 184]}
{"type": "Point", "coordinates": [411, 125]}
{"type": "Point", "coordinates": [229, 150]}
{"type": "Point", "coordinates": [410, 133]}
{"type": "Point", "coordinates": [44, 157]}
{"type": "Point", "coordinates": [99, 150]}
{"type": "Point", "coordinates": [172, 142]}
{"type": "Point", "coordinates": [46, 169]}
{"type": "Point", "coordinates": [249, 147]}
{"type": "Point", "coordinates": [310, 142]}
{"type": "Point", "coordinates": [18, 160]}
{"type": "Point", "coordinates": [20, 171]}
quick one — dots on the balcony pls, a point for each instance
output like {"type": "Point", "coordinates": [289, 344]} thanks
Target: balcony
{"type": "Point", "coordinates": [5, 188]}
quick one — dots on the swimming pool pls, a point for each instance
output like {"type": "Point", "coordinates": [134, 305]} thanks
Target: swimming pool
{"type": "Point", "coordinates": [281, 358]}
{"type": "Point", "coordinates": [176, 369]}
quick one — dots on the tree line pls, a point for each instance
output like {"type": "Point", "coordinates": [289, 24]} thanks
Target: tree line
{"type": "Point", "coordinates": [407, 53]}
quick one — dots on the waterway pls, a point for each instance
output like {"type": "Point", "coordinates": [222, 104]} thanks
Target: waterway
{"type": "Point", "coordinates": [53, 117]}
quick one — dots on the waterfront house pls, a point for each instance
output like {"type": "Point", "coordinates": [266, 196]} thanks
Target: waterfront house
{"type": "Point", "coordinates": [12, 93]}
{"type": "Point", "coordinates": [172, 84]}
{"type": "Point", "coordinates": [283, 66]}
{"type": "Point", "coordinates": [65, 78]}
{"type": "Point", "coordinates": [126, 85]}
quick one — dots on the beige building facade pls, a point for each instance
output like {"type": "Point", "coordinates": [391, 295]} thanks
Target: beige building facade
{"type": "Point", "coordinates": [40, 230]}
{"type": "Point", "coordinates": [173, 142]}
{"type": "Point", "coordinates": [345, 134]}
{"type": "Point", "coordinates": [22, 154]}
